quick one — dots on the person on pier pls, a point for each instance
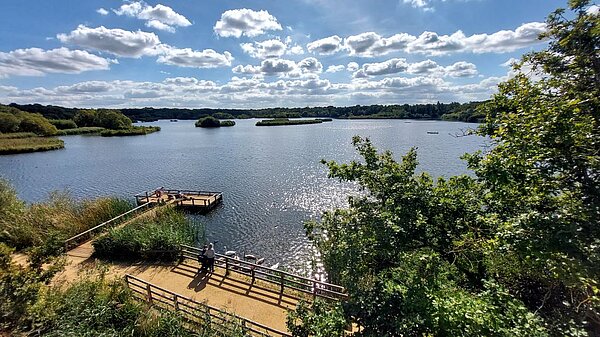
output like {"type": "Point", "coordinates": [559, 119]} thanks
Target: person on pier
{"type": "Point", "coordinates": [210, 257]}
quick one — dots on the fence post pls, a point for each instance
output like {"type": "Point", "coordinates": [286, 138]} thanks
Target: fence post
{"type": "Point", "coordinates": [226, 265]}
{"type": "Point", "coordinates": [281, 282]}
{"type": "Point", "coordinates": [252, 274]}
{"type": "Point", "coordinates": [314, 290]}
{"type": "Point", "coordinates": [176, 302]}
{"type": "Point", "coordinates": [149, 292]}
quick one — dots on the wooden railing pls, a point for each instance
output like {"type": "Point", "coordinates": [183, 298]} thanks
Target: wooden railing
{"type": "Point", "coordinates": [88, 234]}
{"type": "Point", "coordinates": [283, 280]}
{"type": "Point", "coordinates": [196, 312]}
{"type": "Point", "coordinates": [145, 196]}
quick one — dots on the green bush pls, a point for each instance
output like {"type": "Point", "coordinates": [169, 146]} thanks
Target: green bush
{"type": "Point", "coordinates": [208, 122]}
{"type": "Point", "coordinates": [36, 123]}
{"type": "Point", "coordinates": [227, 123]}
{"type": "Point", "coordinates": [8, 122]}
{"type": "Point", "coordinates": [157, 237]}
{"type": "Point", "coordinates": [63, 124]}
{"type": "Point", "coordinates": [132, 131]}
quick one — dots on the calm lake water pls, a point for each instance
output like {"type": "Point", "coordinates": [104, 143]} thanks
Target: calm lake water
{"type": "Point", "coordinates": [271, 177]}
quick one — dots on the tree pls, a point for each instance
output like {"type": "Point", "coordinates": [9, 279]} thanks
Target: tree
{"type": "Point", "coordinates": [8, 122]}
{"type": "Point", "coordinates": [85, 118]}
{"type": "Point", "coordinates": [35, 123]}
{"type": "Point", "coordinates": [510, 251]}
{"type": "Point", "coordinates": [542, 177]}
{"type": "Point", "coordinates": [112, 119]}
{"type": "Point", "coordinates": [208, 122]}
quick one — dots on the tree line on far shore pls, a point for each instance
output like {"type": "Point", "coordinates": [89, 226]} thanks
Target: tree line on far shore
{"type": "Point", "coordinates": [465, 112]}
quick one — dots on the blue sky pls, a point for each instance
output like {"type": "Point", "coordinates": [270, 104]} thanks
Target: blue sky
{"type": "Point", "coordinates": [252, 54]}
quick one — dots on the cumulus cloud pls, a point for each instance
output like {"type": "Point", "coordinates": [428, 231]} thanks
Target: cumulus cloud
{"type": "Point", "coordinates": [238, 22]}
{"type": "Point", "coordinates": [352, 66]}
{"type": "Point", "coordinates": [282, 67]}
{"type": "Point", "coordinates": [296, 50]}
{"type": "Point", "coordinates": [37, 62]}
{"type": "Point", "coordinates": [427, 67]}
{"type": "Point", "coordinates": [102, 11]}
{"type": "Point", "coordinates": [371, 44]}
{"type": "Point", "coordinates": [115, 41]}
{"type": "Point", "coordinates": [335, 68]}
{"type": "Point", "coordinates": [160, 16]}
{"type": "Point", "coordinates": [326, 46]}
{"type": "Point", "coordinates": [187, 57]}
{"type": "Point", "coordinates": [265, 49]}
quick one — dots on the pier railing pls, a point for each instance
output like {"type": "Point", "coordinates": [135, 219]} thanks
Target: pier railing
{"type": "Point", "coordinates": [283, 280]}
{"type": "Point", "coordinates": [196, 312]}
{"type": "Point", "coordinates": [145, 196]}
{"type": "Point", "coordinates": [88, 234]}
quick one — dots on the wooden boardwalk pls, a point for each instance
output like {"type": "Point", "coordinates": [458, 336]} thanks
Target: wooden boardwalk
{"type": "Point", "coordinates": [201, 201]}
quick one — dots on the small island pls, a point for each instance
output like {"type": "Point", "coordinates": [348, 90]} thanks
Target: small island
{"type": "Point", "coordinates": [212, 122]}
{"type": "Point", "coordinates": [287, 121]}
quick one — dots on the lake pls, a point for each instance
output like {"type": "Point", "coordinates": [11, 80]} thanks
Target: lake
{"type": "Point", "coordinates": [271, 177]}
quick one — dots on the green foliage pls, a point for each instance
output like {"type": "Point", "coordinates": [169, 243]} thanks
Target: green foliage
{"type": "Point", "coordinates": [511, 251]}
{"type": "Point", "coordinates": [227, 123]}
{"type": "Point", "coordinates": [8, 122]}
{"type": "Point", "coordinates": [81, 131]}
{"type": "Point", "coordinates": [156, 237]}
{"type": "Point", "coordinates": [105, 118]}
{"type": "Point", "coordinates": [208, 122]}
{"type": "Point", "coordinates": [223, 115]}
{"type": "Point", "coordinates": [35, 123]}
{"type": "Point", "coordinates": [320, 320]}
{"type": "Point", "coordinates": [57, 218]}
{"type": "Point", "coordinates": [63, 124]}
{"type": "Point", "coordinates": [132, 131]}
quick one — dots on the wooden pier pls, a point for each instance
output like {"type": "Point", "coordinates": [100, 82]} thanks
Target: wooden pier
{"type": "Point", "coordinates": [201, 201]}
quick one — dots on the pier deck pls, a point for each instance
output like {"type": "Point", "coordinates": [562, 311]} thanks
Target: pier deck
{"type": "Point", "coordinates": [195, 200]}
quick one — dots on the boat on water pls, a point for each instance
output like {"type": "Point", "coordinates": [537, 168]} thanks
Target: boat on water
{"type": "Point", "coordinates": [433, 132]}
{"type": "Point", "coordinates": [174, 120]}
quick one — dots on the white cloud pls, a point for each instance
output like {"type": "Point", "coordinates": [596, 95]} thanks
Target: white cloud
{"type": "Point", "coordinates": [352, 66]}
{"type": "Point", "coordinates": [160, 16]}
{"type": "Point", "coordinates": [160, 26]}
{"type": "Point", "coordinates": [115, 41]}
{"type": "Point", "coordinates": [335, 68]}
{"type": "Point", "coordinates": [371, 44]}
{"type": "Point", "coordinates": [295, 50]}
{"type": "Point", "coordinates": [238, 22]}
{"type": "Point", "coordinates": [187, 57]}
{"type": "Point", "coordinates": [37, 62]}
{"type": "Point", "coordinates": [326, 46]}
{"type": "Point", "coordinates": [282, 67]}
{"type": "Point", "coordinates": [427, 67]}
{"type": "Point", "coordinates": [102, 11]}
{"type": "Point", "coordinates": [265, 49]}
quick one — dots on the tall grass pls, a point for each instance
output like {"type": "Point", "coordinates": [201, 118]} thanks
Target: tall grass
{"type": "Point", "coordinates": [60, 216]}
{"type": "Point", "coordinates": [132, 131]}
{"type": "Point", "coordinates": [29, 144]}
{"type": "Point", "coordinates": [80, 131]}
{"type": "Point", "coordinates": [156, 237]}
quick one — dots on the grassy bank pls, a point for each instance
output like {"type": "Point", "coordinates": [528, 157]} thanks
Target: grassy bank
{"type": "Point", "coordinates": [156, 237]}
{"type": "Point", "coordinates": [80, 131]}
{"type": "Point", "coordinates": [59, 217]}
{"type": "Point", "coordinates": [133, 131]}
{"type": "Point", "coordinates": [28, 142]}
{"type": "Point", "coordinates": [286, 121]}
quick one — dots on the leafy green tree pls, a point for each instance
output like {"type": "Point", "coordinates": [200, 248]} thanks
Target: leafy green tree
{"type": "Point", "coordinates": [512, 251]}
{"type": "Point", "coordinates": [85, 118]}
{"type": "Point", "coordinates": [35, 123]}
{"type": "Point", "coordinates": [320, 320]}
{"type": "Point", "coordinates": [112, 119]}
{"type": "Point", "coordinates": [8, 122]}
{"type": "Point", "coordinates": [208, 122]}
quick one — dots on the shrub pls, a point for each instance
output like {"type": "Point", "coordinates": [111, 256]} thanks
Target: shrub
{"type": "Point", "coordinates": [157, 237]}
{"type": "Point", "coordinates": [36, 123]}
{"type": "Point", "coordinates": [208, 122]}
{"type": "Point", "coordinates": [227, 123]}
{"type": "Point", "coordinates": [8, 122]}
{"type": "Point", "coordinates": [63, 124]}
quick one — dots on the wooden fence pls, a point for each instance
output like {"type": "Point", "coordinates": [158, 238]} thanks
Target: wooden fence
{"type": "Point", "coordinates": [283, 280]}
{"type": "Point", "coordinates": [88, 234]}
{"type": "Point", "coordinates": [196, 312]}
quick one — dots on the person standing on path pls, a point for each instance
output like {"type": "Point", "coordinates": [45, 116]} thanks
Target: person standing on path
{"type": "Point", "coordinates": [210, 257]}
